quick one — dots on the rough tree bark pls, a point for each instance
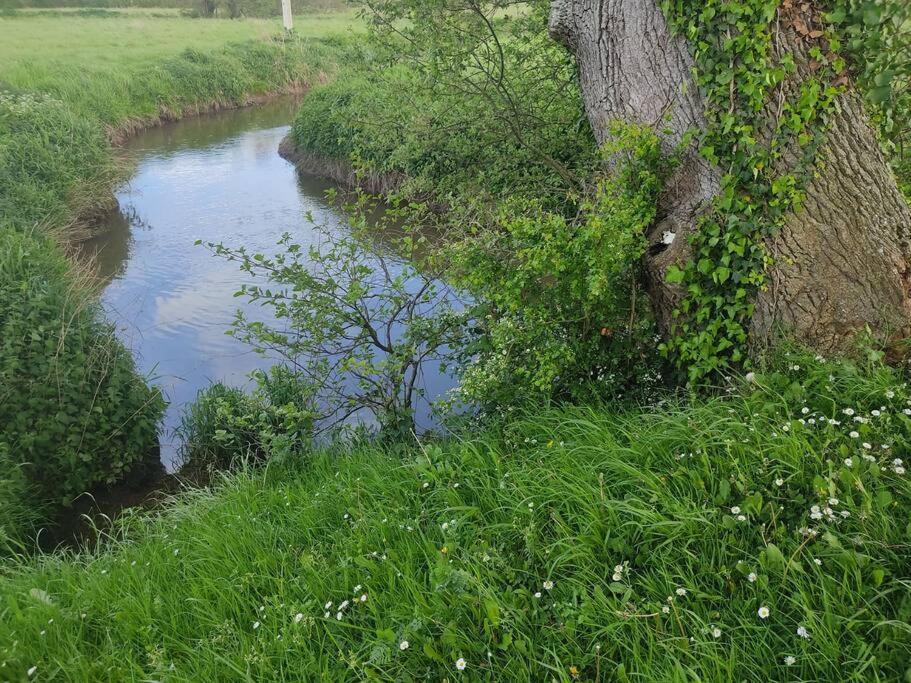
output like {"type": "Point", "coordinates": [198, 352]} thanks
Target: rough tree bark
{"type": "Point", "coordinates": [841, 264]}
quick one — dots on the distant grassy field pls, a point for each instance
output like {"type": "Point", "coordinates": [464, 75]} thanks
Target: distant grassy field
{"type": "Point", "coordinates": [31, 42]}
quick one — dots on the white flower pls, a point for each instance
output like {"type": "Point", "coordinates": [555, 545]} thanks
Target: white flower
{"type": "Point", "coordinates": [716, 632]}
{"type": "Point", "coordinates": [834, 501]}
{"type": "Point", "coordinates": [817, 561]}
{"type": "Point", "coordinates": [751, 378]}
{"type": "Point", "coordinates": [298, 618]}
{"type": "Point", "coordinates": [779, 482]}
{"type": "Point", "coordinates": [617, 576]}
{"type": "Point", "coordinates": [538, 594]}
{"type": "Point", "coordinates": [357, 588]}
{"type": "Point", "coordinates": [875, 413]}
{"type": "Point", "coordinates": [741, 518]}
{"type": "Point", "coordinates": [426, 484]}
{"type": "Point", "coordinates": [898, 462]}
{"type": "Point", "coordinates": [326, 615]}
{"type": "Point", "coordinates": [548, 585]}
{"type": "Point", "coordinates": [404, 645]}
{"type": "Point", "coordinates": [751, 577]}
{"type": "Point", "coordinates": [666, 609]}
{"type": "Point", "coordinates": [364, 598]}
{"type": "Point", "coordinates": [681, 592]}
{"type": "Point", "coordinates": [848, 411]}
{"type": "Point", "coordinates": [31, 671]}
{"type": "Point", "coordinates": [805, 410]}
{"type": "Point", "coordinates": [890, 394]}
{"type": "Point", "coordinates": [444, 526]}
{"type": "Point", "coordinates": [461, 664]}
{"type": "Point", "coordinates": [790, 660]}
{"type": "Point", "coordinates": [255, 625]}
{"type": "Point", "coordinates": [867, 446]}
{"type": "Point", "coordinates": [344, 605]}
{"type": "Point", "coordinates": [763, 612]}
{"type": "Point", "coordinates": [854, 435]}
{"type": "Point", "coordinates": [338, 616]}
{"type": "Point", "coordinates": [735, 510]}
{"type": "Point", "coordinates": [849, 462]}
{"type": "Point", "coordinates": [898, 470]}
{"type": "Point", "coordinates": [803, 632]}
{"type": "Point", "coordinates": [327, 605]}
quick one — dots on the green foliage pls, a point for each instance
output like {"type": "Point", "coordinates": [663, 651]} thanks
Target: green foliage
{"type": "Point", "coordinates": [580, 542]}
{"type": "Point", "coordinates": [73, 411]}
{"type": "Point", "coordinates": [20, 509]}
{"type": "Point", "coordinates": [356, 321]}
{"type": "Point", "coordinates": [469, 102]}
{"type": "Point", "coordinates": [227, 425]}
{"type": "Point", "coordinates": [477, 115]}
{"type": "Point", "coordinates": [877, 37]}
{"type": "Point", "coordinates": [50, 158]}
{"type": "Point", "coordinates": [556, 296]}
{"type": "Point", "coordinates": [737, 73]}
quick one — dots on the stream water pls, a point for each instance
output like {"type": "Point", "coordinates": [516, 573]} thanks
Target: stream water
{"type": "Point", "coordinates": [217, 178]}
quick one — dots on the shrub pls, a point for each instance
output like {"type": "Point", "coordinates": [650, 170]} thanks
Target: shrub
{"type": "Point", "coordinates": [556, 297]}
{"type": "Point", "coordinates": [227, 424]}
{"type": "Point", "coordinates": [73, 411]}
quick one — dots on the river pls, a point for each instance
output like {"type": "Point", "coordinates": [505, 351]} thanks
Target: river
{"type": "Point", "coordinates": [217, 178]}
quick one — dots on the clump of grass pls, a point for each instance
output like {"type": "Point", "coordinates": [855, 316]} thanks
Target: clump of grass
{"type": "Point", "coordinates": [725, 539]}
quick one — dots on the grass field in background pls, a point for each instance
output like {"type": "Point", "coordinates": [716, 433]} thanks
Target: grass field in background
{"type": "Point", "coordinates": [132, 38]}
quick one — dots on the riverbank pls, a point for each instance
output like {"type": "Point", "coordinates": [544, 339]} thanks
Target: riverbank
{"type": "Point", "coordinates": [75, 414]}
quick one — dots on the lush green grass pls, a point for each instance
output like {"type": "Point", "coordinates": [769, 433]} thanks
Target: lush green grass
{"type": "Point", "coordinates": [454, 549]}
{"type": "Point", "coordinates": [34, 48]}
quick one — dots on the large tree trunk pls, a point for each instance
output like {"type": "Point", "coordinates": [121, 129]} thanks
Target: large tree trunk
{"type": "Point", "coordinates": [841, 264]}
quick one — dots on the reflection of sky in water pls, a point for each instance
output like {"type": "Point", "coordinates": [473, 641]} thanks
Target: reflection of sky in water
{"type": "Point", "coordinates": [216, 178]}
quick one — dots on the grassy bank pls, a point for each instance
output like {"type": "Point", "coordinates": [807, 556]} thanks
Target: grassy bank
{"type": "Point", "coordinates": [74, 414]}
{"type": "Point", "coordinates": [707, 540]}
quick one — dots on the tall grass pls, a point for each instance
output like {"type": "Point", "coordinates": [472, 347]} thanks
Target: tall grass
{"type": "Point", "coordinates": [678, 543]}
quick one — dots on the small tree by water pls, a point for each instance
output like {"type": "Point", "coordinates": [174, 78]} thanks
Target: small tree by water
{"type": "Point", "coordinates": [356, 320]}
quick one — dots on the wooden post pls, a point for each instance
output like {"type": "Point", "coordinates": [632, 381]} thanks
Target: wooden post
{"type": "Point", "coordinates": [287, 20]}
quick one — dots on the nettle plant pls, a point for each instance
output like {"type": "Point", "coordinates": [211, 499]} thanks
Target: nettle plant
{"type": "Point", "coordinates": [556, 313]}
{"type": "Point", "coordinates": [356, 322]}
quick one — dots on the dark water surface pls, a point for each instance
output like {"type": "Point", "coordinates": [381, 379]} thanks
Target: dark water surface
{"type": "Point", "coordinates": [216, 178]}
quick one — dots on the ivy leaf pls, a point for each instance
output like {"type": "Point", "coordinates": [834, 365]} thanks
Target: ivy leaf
{"type": "Point", "coordinates": [674, 275]}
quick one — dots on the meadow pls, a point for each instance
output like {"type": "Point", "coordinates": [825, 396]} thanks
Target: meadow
{"type": "Point", "coordinates": [130, 38]}
{"type": "Point", "coordinates": [705, 540]}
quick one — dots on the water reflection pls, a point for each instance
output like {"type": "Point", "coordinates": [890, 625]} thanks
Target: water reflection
{"type": "Point", "coordinates": [215, 178]}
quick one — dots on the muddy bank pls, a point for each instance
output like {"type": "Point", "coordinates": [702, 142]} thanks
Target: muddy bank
{"type": "Point", "coordinates": [340, 171]}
